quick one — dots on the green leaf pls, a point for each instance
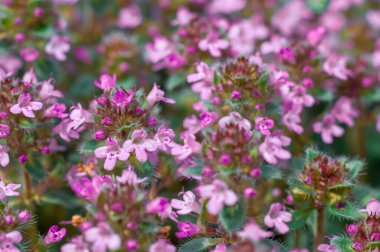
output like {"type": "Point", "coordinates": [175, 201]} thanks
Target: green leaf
{"type": "Point", "coordinates": [36, 170]}
{"type": "Point", "coordinates": [317, 6]}
{"type": "Point", "coordinates": [275, 244]}
{"type": "Point", "coordinates": [299, 218]}
{"type": "Point", "coordinates": [311, 154]}
{"type": "Point", "coordinates": [349, 212]}
{"type": "Point", "coordinates": [195, 170]}
{"type": "Point", "coordinates": [199, 245]}
{"type": "Point", "coordinates": [27, 124]}
{"type": "Point", "coordinates": [88, 147]}
{"type": "Point", "coordinates": [301, 186]}
{"type": "Point", "coordinates": [61, 198]}
{"type": "Point", "coordinates": [343, 244]}
{"type": "Point", "coordinates": [323, 94]}
{"type": "Point", "coordinates": [232, 217]}
{"type": "Point", "coordinates": [145, 170]}
{"type": "Point", "coordinates": [270, 172]}
{"type": "Point", "coordinates": [175, 81]}
{"type": "Point", "coordinates": [372, 95]}
{"type": "Point", "coordinates": [263, 80]}
{"type": "Point", "coordinates": [373, 245]}
{"type": "Point", "coordinates": [355, 167]}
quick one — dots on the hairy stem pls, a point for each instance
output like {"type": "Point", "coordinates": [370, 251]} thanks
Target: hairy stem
{"type": "Point", "coordinates": [320, 221]}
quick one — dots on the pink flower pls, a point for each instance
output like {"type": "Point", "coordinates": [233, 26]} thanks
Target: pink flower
{"type": "Point", "coordinates": [328, 247]}
{"type": "Point", "coordinates": [187, 229]}
{"type": "Point", "coordinates": [372, 208]}
{"type": "Point", "coordinates": [162, 245]}
{"type": "Point", "coordinates": [162, 208]}
{"type": "Point", "coordinates": [29, 54]}
{"type": "Point", "coordinates": [187, 205]}
{"type": "Point", "coordinates": [158, 50]}
{"type": "Point", "coordinates": [236, 119]}
{"type": "Point", "coordinates": [58, 46]}
{"type": "Point", "coordinates": [335, 65]}
{"type": "Point", "coordinates": [192, 124]}
{"type": "Point", "coordinates": [102, 238]}
{"type": "Point", "coordinates": [271, 149]}
{"type": "Point", "coordinates": [8, 190]}
{"type": "Point", "coordinates": [213, 44]}
{"type": "Point", "coordinates": [106, 82]}
{"type": "Point", "coordinates": [30, 77]}
{"type": "Point", "coordinates": [123, 98]}
{"type": "Point", "coordinates": [378, 123]}
{"type": "Point", "coordinates": [190, 146]}
{"type": "Point", "coordinates": [129, 17]}
{"type": "Point", "coordinates": [253, 232]}
{"type": "Point", "coordinates": [26, 105]}
{"type": "Point", "coordinates": [344, 111]}
{"type": "Point", "coordinates": [184, 16]}
{"type": "Point", "coordinates": [111, 153]}
{"type": "Point", "coordinates": [129, 177]}
{"type": "Point", "coordinates": [293, 122]}
{"type": "Point", "coordinates": [57, 110]}
{"type": "Point", "coordinates": [202, 81]}
{"type": "Point", "coordinates": [156, 95]}
{"type": "Point", "coordinates": [226, 6]}
{"type": "Point", "coordinates": [78, 117]}
{"type": "Point", "coordinates": [221, 247]}
{"type": "Point", "coordinates": [328, 129]}
{"type": "Point", "coordinates": [373, 18]}
{"type": "Point", "coordinates": [47, 90]}
{"type": "Point", "coordinates": [76, 244]}
{"type": "Point", "coordinates": [9, 240]}
{"type": "Point", "coordinates": [4, 130]}
{"type": "Point", "coordinates": [264, 124]}
{"type": "Point", "coordinates": [316, 35]}
{"type": "Point", "coordinates": [140, 145]}
{"type": "Point", "coordinates": [164, 138]}
{"type": "Point", "coordinates": [218, 195]}
{"type": "Point", "coordinates": [4, 157]}
{"type": "Point", "coordinates": [54, 235]}
{"type": "Point", "coordinates": [276, 217]}
{"type": "Point", "coordinates": [208, 118]}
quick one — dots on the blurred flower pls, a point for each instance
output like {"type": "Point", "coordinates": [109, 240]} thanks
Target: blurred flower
{"type": "Point", "coordinates": [187, 205]}
{"type": "Point", "coordinates": [156, 95]}
{"type": "Point", "coordinates": [276, 217]}
{"type": "Point", "coordinates": [186, 229]}
{"type": "Point", "coordinates": [102, 238]}
{"type": "Point", "coordinates": [253, 232]}
{"type": "Point", "coordinates": [8, 241]}
{"type": "Point", "coordinates": [129, 17]}
{"type": "Point", "coordinates": [26, 105]}
{"type": "Point", "coordinates": [54, 235]}
{"type": "Point", "coordinates": [106, 82]}
{"type": "Point", "coordinates": [8, 190]}
{"type": "Point", "coordinates": [162, 245]}
{"type": "Point", "coordinates": [140, 145]}
{"type": "Point", "coordinates": [58, 46]}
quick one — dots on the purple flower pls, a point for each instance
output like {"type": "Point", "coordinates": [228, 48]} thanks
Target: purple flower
{"type": "Point", "coordinates": [292, 121]}
{"type": "Point", "coordinates": [58, 46]}
{"type": "Point", "coordinates": [102, 238]}
{"type": "Point", "coordinates": [213, 44]}
{"type": "Point", "coordinates": [187, 229]}
{"type": "Point", "coordinates": [54, 235]}
{"type": "Point", "coordinates": [187, 205]}
{"type": "Point", "coordinates": [76, 244]}
{"type": "Point", "coordinates": [129, 17]}
{"type": "Point", "coordinates": [29, 54]}
{"type": "Point", "coordinates": [4, 130]}
{"type": "Point", "coordinates": [190, 146]}
{"type": "Point", "coordinates": [106, 82]}
{"type": "Point", "coordinates": [372, 209]}
{"type": "Point", "coordinates": [112, 152]}
{"type": "Point", "coordinates": [129, 177]}
{"type": "Point", "coordinates": [162, 207]}
{"type": "Point", "coordinates": [183, 16]}
{"type": "Point", "coordinates": [202, 81]}
{"type": "Point", "coordinates": [122, 98]}
{"type": "Point", "coordinates": [159, 49]}
{"type": "Point", "coordinates": [276, 217]}
{"type": "Point", "coordinates": [164, 138]}
{"type": "Point", "coordinates": [56, 110]}
{"type": "Point", "coordinates": [335, 65]}
{"type": "Point", "coordinates": [162, 245]}
{"type": "Point", "coordinates": [9, 240]}
{"type": "Point", "coordinates": [8, 190]}
{"type": "Point", "coordinates": [156, 95]}
{"type": "Point", "coordinates": [47, 90]}
{"type": "Point", "coordinates": [271, 149]}
{"type": "Point", "coordinates": [221, 247]}
{"type": "Point", "coordinates": [78, 116]}
{"type": "Point", "coordinates": [253, 232]}
{"type": "Point", "coordinates": [328, 247]}
{"type": "Point", "coordinates": [4, 157]}
{"type": "Point", "coordinates": [236, 119]}
{"type": "Point", "coordinates": [140, 145]}
{"type": "Point", "coordinates": [344, 111]}
{"type": "Point", "coordinates": [26, 105]}
{"type": "Point", "coordinates": [208, 118]}
{"type": "Point", "coordinates": [264, 124]}
{"type": "Point", "coordinates": [218, 195]}
{"type": "Point", "coordinates": [328, 129]}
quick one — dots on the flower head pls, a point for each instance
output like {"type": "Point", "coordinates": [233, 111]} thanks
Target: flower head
{"type": "Point", "coordinates": [156, 95]}
{"type": "Point", "coordinates": [54, 235]}
{"type": "Point", "coordinates": [102, 238]}
{"type": "Point", "coordinates": [140, 145]}
{"type": "Point", "coordinates": [253, 232]}
{"type": "Point", "coordinates": [111, 153]}
{"type": "Point", "coordinates": [276, 217]}
{"type": "Point", "coordinates": [26, 105]}
{"type": "Point", "coordinates": [8, 190]}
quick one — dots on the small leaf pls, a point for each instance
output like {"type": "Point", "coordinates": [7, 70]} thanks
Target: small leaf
{"type": "Point", "coordinates": [88, 147]}
{"type": "Point", "coordinates": [299, 218]}
{"type": "Point", "coordinates": [317, 6]}
{"type": "Point", "coordinates": [199, 245]}
{"type": "Point", "coordinates": [311, 154]}
{"type": "Point", "coordinates": [263, 80]}
{"type": "Point", "coordinates": [301, 186]}
{"type": "Point", "coordinates": [270, 172]}
{"type": "Point", "coordinates": [275, 245]}
{"type": "Point", "coordinates": [373, 245]}
{"type": "Point", "coordinates": [349, 212]}
{"type": "Point", "coordinates": [323, 94]}
{"type": "Point", "coordinates": [146, 170]}
{"type": "Point", "coordinates": [36, 170]}
{"type": "Point", "coordinates": [355, 167]}
{"type": "Point", "coordinates": [175, 81]}
{"type": "Point", "coordinates": [232, 217]}
{"type": "Point", "coordinates": [343, 244]}
{"type": "Point", "coordinates": [27, 124]}
{"type": "Point", "coordinates": [195, 170]}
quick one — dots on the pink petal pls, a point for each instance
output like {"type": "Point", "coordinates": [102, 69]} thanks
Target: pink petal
{"type": "Point", "coordinates": [15, 109]}
{"type": "Point", "coordinates": [101, 152]}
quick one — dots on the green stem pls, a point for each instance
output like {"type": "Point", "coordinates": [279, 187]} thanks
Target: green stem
{"type": "Point", "coordinates": [320, 222]}
{"type": "Point", "coordinates": [28, 187]}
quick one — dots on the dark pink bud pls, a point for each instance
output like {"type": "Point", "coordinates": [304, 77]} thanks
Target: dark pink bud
{"type": "Point", "coordinates": [367, 82]}
{"type": "Point", "coordinates": [255, 173]}
{"type": "Point", "coordinates": [38, 12]}
{"type": "Point", "coordinates": [107, 121]}
{"type": "Point", "coordinates": [8, 219]}
{"type": "Point", "coordinates": [235, 94]}
{"type": "Point", "coordinates": [351, 229]}
{"type": "Point", "coordinates": [308, 181]}
{"type": "Point", "coordinates": [259, 106]}
{"type": "Point", "coordinates": [152, 121]}
{"type": "Point", "coordinates": [4, 130]}
{"type": "Point", "coordinates": [23, 216]}
{"type": "Point", "coordinates": [23, 158]}
{"type": "Point", "coordinates": [131, 244]}
{"type": "Point", "coordinates": [45, 150]}
{"type": "Point", "coordinates": [225, 159]}
{"type": "Point", "coordinates": [375, 237]}
{"type": "Point", "coordinates": [357, 246]}
{"type": "Point", "coordinates": [117, 207]}
{"type": "Point", "coordinates": [216, 101]}
{"type": "Point", "coordinates": [307, 82]}
{"type": "Point", "coordinates": [19, 37]}
{"type": "Point", "coordinates": [100, 135]}
{"type": "Point", "coordinates": [249, 192]}
{"type": "Point", "coordinates": [207, 171]}
{"type": "Point", "coordinates": [3, 115]}
{"type": "Point", "coordinates": [132, 225]}
{"type": "Point", "coordinates": [102, 101]}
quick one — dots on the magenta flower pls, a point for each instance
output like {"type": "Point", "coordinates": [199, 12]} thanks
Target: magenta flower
{"type": "Point", "coordinates": [58, 46]}
{"type": "Point", "coordinates": [221, 247]}
{"type": "Point", "coordinates": [187, 205]}
{"type": "Point", "coordinates": [372, 209]}
{"type": "Point", "coordinates": [76, 244]}
{"type": "Point", "coordinates": [106, 82]}
{"type": "Point", "coordinates": [8, 190]}
{"type": "Point", "coordinates": [129, 177]}
{"type": "Point", "coordinates": [9, 240]}
{"type": "Point", "coordinates": [190, 146]}
{"type": "Point", "coordinates": [208, 118]}
{"type": "Point", "coordinates": [253, 232]}
{"type": "Point", "coordinates": [186, 229]}
{"type": "Point", "coordinates": [4, 157]}
{"type": "Point", "coordinates": [164, 138]}
{"type": "Point", "coordinates": [29, 54]}
{"type": "Point", "coordinates": [140, 145]}
{"type": "Point", "coordinates": [156, 95]}
{"type": "Point", "coordinates": [183, 17]}
{"type": "Point", "coordinates": [47, 90]}
{"type": "Point", "coordinates": [56, 110]}
{"type": "Point", "coordinates": [226, 6]}
{"type": "Point", "coordinates": [316, 35]}
{"type": "Point", "coordinates": [54, 235]}
{"type": "Point", "coordinates": [218, 195]}
{"type": "Point", "coordinates": [271, 149]}
{"type": "Point", "coordinates": [162, 245]}
{"type": "Point", "coordinates": [122, 98]}
{"type": "Point", "coordinates": [112, 152]}
{"type": "Point", "coordinates": [276, 217]}
{"type": "Point", "coordinates": [26, 105]}
{"type": "Point", "coordinates": [162, 208]}
{"type": "Point", "coordinates": [202, 81]}
{"type": "Point", "coordinates": [293, 122]}
{"type": "Point", "coordinates": [328, 129]}
{"type": "Point", "coordinates": [158, 50]}
{"type": "Point", "coordinates": [213, 44]}
{"type": "Point", "coordinates": [4, 130]}
{"type": "Point", "coordinates": [78, 117]}
{"type": "Point", "coordinates": [264, 124]}
{"type": "Point", "coordinates": [335, 65]}
{"type": "Point", "coordinates": [129, 17]}
{"type": "Point", "coordinates": [102, 238]}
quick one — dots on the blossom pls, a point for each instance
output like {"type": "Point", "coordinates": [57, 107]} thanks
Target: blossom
{"type": "Point", "coordinates": [236, 119]}
{"type": "Point", "coordinates": [111, 153]}
{"type": "Point", "coordinates": [316, 35]}
{"type": "Point", "coordinates": [47, 90]}
{"type": "Point", "coordinates": [9, 240]}
{"type": "Point", "coordinates": [58, 46]}
{"type": "Point", "coordinates": [106, 82]}
{"type": "Point", "coordinates": [90, 188]}
{"type": "Point", "coordinates": [8, 190]}
{"type": "Point", "coordinates": [4, 130]}
{"type": "Point", "coordinates": [158, 50]}
{"type": "Point", "coordinates": [102, 238]}
{"type": "Point", "coordinates": [26, 105]}
{"type": "Point", "coordinates": [202, 80]}
{"type": "Point", "coordinates": [162, 245]}
{"type": "Point", "coordinates": [4, 157]}
{"type": "Point", "coordinates": [29, 54]}
{"type": "Point", "coordinates": [156, 95]}
{"type": "Point", "coordinates": [129, 17]}
{"type": "Point", "coordinates": [162, 207]}
{"type": "Point", "coordinates": [54, 235]}
{"type": "Point", "coordinates": [129, 177]}
{"type": "Point", "coordinates": [226, 6]}
{"type": "Point", "coordinates": [187, 205]}
{"type": "Point", "coordinates": [76, 244]}
{"type": "Point", "coordinates": [372, 208]}
{"type": "Point", "coordinates": [140, 145]}
{"type": "Point", "coordinates": [344, 111]}
{"type": "Point", "coordinates": [335, 65]}
{"type": "Point", "coordinates": [264, 124]}
{"type": "Point", "coordinates": [218, 195]}
{"type": "Point", "coordinates": [190, 146]}
{"type": "Point", "coordinates": [213, 44]}
{"type": "Point", "coordinates": [328, 247]}
{"type": "Point", "coordinates": [293, 122]}
{"type": "Point", "coordinates": [183, 16]}
{"type": "Point", "coordinates": [328, 129]}
{"type": "Point", "coordinates": [56, 110]}
{"type": "Point", "coordinates": [276, 217]}
{"type": "Point", "coordinates": [187, 229]}
{"type": "Point", "coordinates": [164, 138]}
{"type": "Point", "coordinates": [253, 232]}
{"type": "Point", "coordinates": [78, 116]}
{"type": "Point", "coordinates": [221, 247]}
{"type": "Point", "coordinates": [122, 98]}
{"type": "Point", "coordinates": [271, 149]}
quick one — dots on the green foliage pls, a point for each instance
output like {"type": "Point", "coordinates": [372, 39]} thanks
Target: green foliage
{"type": "Point", "coordinates": [145, 170]}
{"type": "Point", "coordinates": [263, 80]}
{"type": "Point", "coordinates": [270, 172]}
{"type": "Point", "coordinates": [343, 243]}
{"type": "Point", "coordinates": [276, 245]}
{"type": "Point", "coordinates": [323, 94]}
{"type": "Point", "coordinates": [310, 154]}
{"type": "Point", "coordinates": [175, 81]}
{"type": "Point", "coordinates": [299, 218]}
{"type": "Point", "coordinates": [88, 147]}
{"type": "Point", "coordinates": [317, 6]}
{"type": "Point", "coordinates": [232, 217]}
{"type": "Point", "coordinates": [348, 212]}
{"type": "Point", "coordinates": [62, 198]}
{"type": "Point", "coordinates": [35, 169]}
{"type": "Point", "coordinates": [199, 245]}
{"type": "Point", "coordinates": [295, 183]}
{"type": "Point", "coordinates": [354, 166]}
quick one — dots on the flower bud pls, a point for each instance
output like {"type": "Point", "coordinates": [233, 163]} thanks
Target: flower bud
{"type": "Point", "coordinates": [8, 219]}
{"type": "Point", "coordinates": [23, 216]}
{"type": "Point", "coordinates": [351, 229]}
{"type": "Point", "coordinates": [255, 173]}
{"type": "Point", "coordinates": [107, 121]}
{"type": "Point", "coordinates": [249, 192]}
{"type": "Point", "coordinates": [131, 244]}
{"type": "Point", "coordinates": [100, 135]}
{"type": "Point", "coordinates": [225, 159]}
{"type": "Point", "coordinates": [23, 158]}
